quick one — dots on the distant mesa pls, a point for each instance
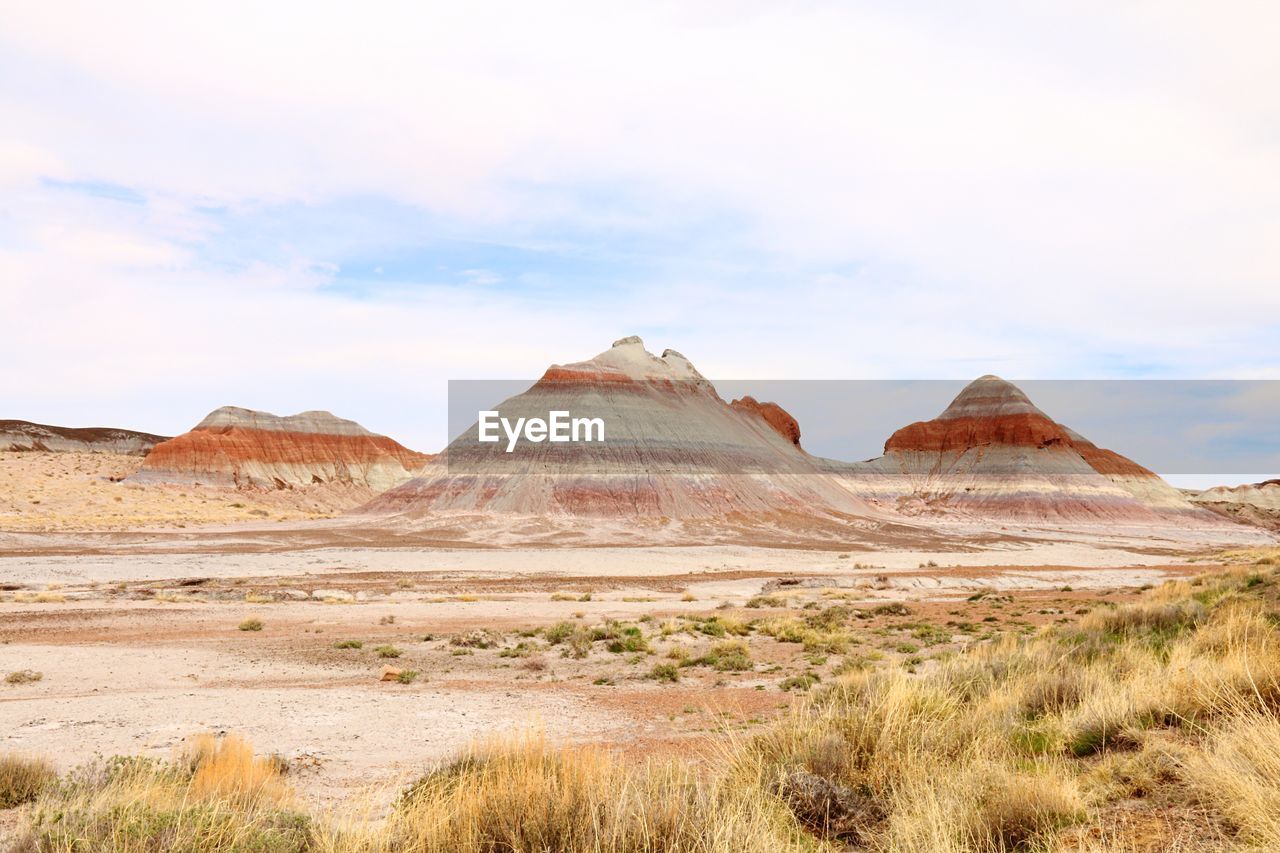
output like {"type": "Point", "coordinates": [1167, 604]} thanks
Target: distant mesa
{"type": "Point", "coordinates": [258, 450]}
{"type": "Point", "coordinates": [1257, 504]}
{"type": "Point", "coordinates": [674, 450]}
{"type": "Point", "coordinates": [992, 452]}
{"type": "Point", "coordinates": [28, 436]}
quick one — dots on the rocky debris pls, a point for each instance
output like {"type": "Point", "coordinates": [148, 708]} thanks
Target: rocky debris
{"type": "Point", "coordinates": [28, 436]}
{"type": "Point", "coordinates": [390, 673]}
{"type": "Point", "coordinates": [332, 595]}
{"type": "Point", "coordinates": [827, 807]}
{"type": "Point", "coordinates": [257, 450]}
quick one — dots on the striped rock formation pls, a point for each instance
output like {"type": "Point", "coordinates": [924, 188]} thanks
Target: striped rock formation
{"type": "Point", "coordinates": [24, 435]}
{"type": "Point", "coordinates": [247, 449]}
{"type": "Point", "coordinates": [992, 452]}
{"type": "Point", "coordinates": [673, 449]}
{"type": "Point", "coordinates": [1255, 503]}
{"type": "Point", "coordinates": [774, 415]}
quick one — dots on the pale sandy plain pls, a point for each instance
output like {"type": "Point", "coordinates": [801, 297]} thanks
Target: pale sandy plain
{"type": "Point", "coordinates": [132, 620]}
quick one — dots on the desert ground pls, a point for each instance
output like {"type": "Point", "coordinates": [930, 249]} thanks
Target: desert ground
{"type": "Point", "coordinates": [138, 653]}
{"type": "Point", "coordinates": [84, 491]}
{"type": "Point", "coordinates": [361, 662]}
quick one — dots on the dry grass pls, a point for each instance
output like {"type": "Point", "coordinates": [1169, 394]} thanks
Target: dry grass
{"type": "Point", "coordinates": [1157, 707]}
{"type": "Point", "coordinates": [39, 598]}
{"type": "Point", "coordinates": [1238, 772]}
{"type": "Point", "coordinates": [216, 796]}
{"type": "Point", "coordinates": [23, 676]}
{"type": "Point", "coordinates": [1151, 726]}
{"type": "Point", "coordinates": [525, 795]}
{"type": "Point", "coordinates": [22, 779]}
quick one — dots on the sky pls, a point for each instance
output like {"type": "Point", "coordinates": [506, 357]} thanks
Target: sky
{"type": "Point", "coordinates": [293, 206]}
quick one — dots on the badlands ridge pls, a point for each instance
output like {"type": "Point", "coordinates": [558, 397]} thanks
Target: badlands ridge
{"type": "Point", "coordinates": [247, 449]}
{"type": "Point", "coordinates": [680, 465]}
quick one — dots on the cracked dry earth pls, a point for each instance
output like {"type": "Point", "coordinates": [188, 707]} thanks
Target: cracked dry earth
{"type": "Point", "coordinates": [647, 650]}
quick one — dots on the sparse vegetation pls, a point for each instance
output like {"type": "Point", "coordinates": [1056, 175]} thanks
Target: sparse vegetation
{"type": "Point", "coordinates": [348, 644]}
{"type": "Point", "coordinates": [23, 676]}
{"type": "Point", "coordinates": [39, 598]}
{"type": "Point", "coordinates": [665, 672]}
{"type": "Point", "coordinates": [476, 640]}
{"type": "Point", "coordinates": [729, 656]}
{"type": "Point", "coordinates": [251, 625]}
{"type": "Point", "coordinates": [803, 681]}
{"type": "Point", "coordinates": [1149, 725]}
{"type": "Point", "coordinates": [387, 652]}
{"type": "Point", "coordinates": [217, 796]}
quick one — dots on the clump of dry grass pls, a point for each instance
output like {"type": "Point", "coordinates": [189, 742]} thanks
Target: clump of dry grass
{"type": "Point", "coordinates": [818, 633]}
{"type": "Point", "coordinates": [22, 779]}
{"type": "Point", "coordinates": [524, 795]}
{"type": "Point", "coordinates": [1238, 772]}
{"type": "Point", "coordinates": [39, 598]}
{"type": "Point", "coordinates": [23, 676]}
{"type": "Point", "coordinates": [216, 796]}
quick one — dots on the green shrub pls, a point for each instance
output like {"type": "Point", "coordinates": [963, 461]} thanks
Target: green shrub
{"type": "Point", "coordinates": [665, 672]}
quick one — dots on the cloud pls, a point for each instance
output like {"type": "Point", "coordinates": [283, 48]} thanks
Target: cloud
{"type": "Point", "coordinates": [821, 190]}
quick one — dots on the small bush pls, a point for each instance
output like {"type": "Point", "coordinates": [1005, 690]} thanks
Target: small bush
{"type": "Point", "coordinates": [559, 632]}
{"type": "Point", "coordinates": [348, 644]}
{"type": "Point", "coordinates": [629, 639]}
{"type": "Point", "coordinates": [720, 626]}
{"type": "Point", "coordinates": [476, 640]}
{"type": "Point", "coordinates": [387, 652]}
{"type": "Point", "coordinates": [251, 625]}
{"type": "Point", "coordinates": [730, 656]}
{"type": "Point", "coordinates": [803, 681]}
{"type": "Point", "coordinates": [665, 672]}
{"type": "Point", "coordinates": [23, 676]}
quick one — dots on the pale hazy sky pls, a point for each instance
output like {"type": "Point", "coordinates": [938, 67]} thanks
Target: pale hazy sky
{"type": "Point", "coordinates": [294, 206]}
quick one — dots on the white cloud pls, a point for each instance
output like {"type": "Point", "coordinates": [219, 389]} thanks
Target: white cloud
{"type": "Point", "coordinates": [1038, 189]}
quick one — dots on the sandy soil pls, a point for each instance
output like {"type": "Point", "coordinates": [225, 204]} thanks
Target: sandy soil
{"type": "Point", "coordinates": [137, 653]}
{"type": "Point", "coordinates": [159, 561]}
